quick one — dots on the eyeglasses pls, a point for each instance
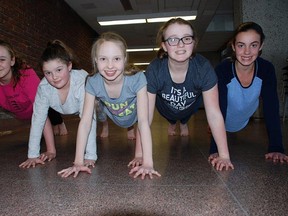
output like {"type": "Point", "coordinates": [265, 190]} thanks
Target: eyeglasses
{"type": "Point", "coordinates": [175, 41]}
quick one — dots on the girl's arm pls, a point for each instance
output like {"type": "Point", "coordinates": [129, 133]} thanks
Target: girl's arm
{"type": "Point", "coordinates": [84, 128]}
{"type": "Point", "coordinates": [82, 137]}
{"type": "Point", "coordinates": [151, 106]}
{"type": "Point", "coordinates": [138, 149]}
{"type": "Point", "coordinates": [216, 123]}
{"type": "Point", "coordinates": [39, 117]}
{"type": "Point", "coordinates": [145, 136]}
{"type": "Point", "coordinates": [143, 126]}
{"type": "Point", "coordinates": [271, 115]}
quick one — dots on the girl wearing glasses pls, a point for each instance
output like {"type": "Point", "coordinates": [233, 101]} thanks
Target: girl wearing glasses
{"type": "Point", "coordinates": [178, 78]}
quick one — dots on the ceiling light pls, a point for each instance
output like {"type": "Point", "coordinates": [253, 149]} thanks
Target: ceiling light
{"type": "Point", "coordinates": [165, 19]}
{"type": "Point", "coordinates": [122, 22]}
{"type": "Point", "coordinates": [141, 63]}
{"type": "Point", "coordinates": [140, 50]}
{"type": "Point", "coordinates": [145, 18]}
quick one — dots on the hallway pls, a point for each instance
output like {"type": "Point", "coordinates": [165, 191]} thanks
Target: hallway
{"type": "Point", "coordinates": [188, 186]}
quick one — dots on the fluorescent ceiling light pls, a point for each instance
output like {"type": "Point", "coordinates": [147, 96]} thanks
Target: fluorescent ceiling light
{"type": "Point", "coordinates": [142, 49]}
{"type": "Point", "coordinates": [165, 19]}
{"type": "Point", "coordinates": [145, 18]}
{"type": "Point", "coordinates": [143, 63]}
{"type": "Point", "coordinates": [122, 22]}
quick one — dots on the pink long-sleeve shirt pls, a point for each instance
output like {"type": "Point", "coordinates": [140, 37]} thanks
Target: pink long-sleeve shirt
{"type": "Point", "coordinates": [19, 100]}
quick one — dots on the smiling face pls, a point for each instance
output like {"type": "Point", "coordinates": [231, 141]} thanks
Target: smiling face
{"type": "Point", "coordinates": [57, 73]}
{"type": "Point", "coordinates": [110, 60]}
{"type": "Point", "coordinates": [247, 46]}
{"type": "Point", "coordinates": [6, 62]}
{"type": "Point", "coordinates": [180, 52]}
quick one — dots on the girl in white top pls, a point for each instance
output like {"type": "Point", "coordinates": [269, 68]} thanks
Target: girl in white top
{"type": "Point", "coordinates": [62, 89]}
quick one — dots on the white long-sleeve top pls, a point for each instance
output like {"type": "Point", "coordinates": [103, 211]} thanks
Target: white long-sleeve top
{"type": "Point", "coordinates": [47, 96]}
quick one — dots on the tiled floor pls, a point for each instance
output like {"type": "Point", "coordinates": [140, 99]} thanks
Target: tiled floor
{"type": "Point", "coordinates": [188, 186]}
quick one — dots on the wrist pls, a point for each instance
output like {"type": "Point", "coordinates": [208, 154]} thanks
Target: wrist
{"type": "Point", "coordinates": [78, 163]}
{"type": "Point", "coordinates": [147, 163]}
{"type": "Point", "coordinates": [51, 150]}
{"type": "Point", "coordinates": [138, 155]}
{"type": "Point", "coordinates": [224, 156]}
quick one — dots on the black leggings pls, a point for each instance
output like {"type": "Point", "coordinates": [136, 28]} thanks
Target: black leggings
{"type": "Point", "coordinates": [55, 117]}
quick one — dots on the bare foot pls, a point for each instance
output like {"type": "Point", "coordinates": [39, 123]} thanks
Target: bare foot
{"type": "Point", "coordinates": [171, 129]}
{"type": "Point", "coordinates": [62, 129]}
{"type": "Point", "coordinates": [56, 130]}
{"type": "Point", "coordinates": [184, 130]}
{"type": "Point", "coordinates": [105, 130]}
{"type": "Point", "coordinates": [131, 133]}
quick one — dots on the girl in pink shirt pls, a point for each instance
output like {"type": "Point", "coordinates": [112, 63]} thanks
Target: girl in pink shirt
{"type": "Point", "coordinates": [18, 89]}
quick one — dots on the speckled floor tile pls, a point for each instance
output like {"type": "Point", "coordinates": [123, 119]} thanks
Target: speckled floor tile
{"type": "Point", "coordinates": [188, 186]}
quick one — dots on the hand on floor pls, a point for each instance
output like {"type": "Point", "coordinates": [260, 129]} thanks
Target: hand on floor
{"type": "Point", "coordinates": [276, 157]}
{"type": "Point", "coordinates": [221, 163]}
{"type": "Point", "coordinates": [137, 161]}
{"type": "Point", "coordinates": [143, 171]}
{"type": "Point", "coordinates": [212, 156]}
{"type": "Point", "coordinates": [47, 156]}
{"type": "Point", "coordinates": [74, 169]}
{"type": "Point", "coordinates": [31, 162]}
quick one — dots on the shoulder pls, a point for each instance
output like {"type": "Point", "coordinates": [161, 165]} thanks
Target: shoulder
{"type": "Point", "coordinates": [157, 63]}
{"type": "Point", "coordinates": [93, 81]}
{"type": "Point", "coordinates": [156, 69]}
{"type": "Point", "coordinates": [138, 75]}
{"type": "Point", "coordinates": [199, 64]}
{"type": "Point", "coordinates": [136, 81]}
{"type": "Point", "coordinates": [224, 70]}
{"type": "Point", "coordinates": [44, 87]}
{"type": "Point", "coordinates": [136, 78]}
{"type": "Point", "coordinates": [29, 72]}
{"type": "Point", "coordinates": [263, 63]}
{"type": "Point", "coordinates": [78, 73]}
{"type": "Point", "coordinates": [78, 76]}
{"type": "Point", "coordinates": [265, 69]}
{"type": "Point", "coordinates": [200, 60]}
{"type": "Point", "coordinates": [226, 64]}
{"type": "Point", "coordinates": [94, 78]}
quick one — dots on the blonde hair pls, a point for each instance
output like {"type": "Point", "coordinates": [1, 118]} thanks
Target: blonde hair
{"type": "Point", "coordinates": [109, 36]}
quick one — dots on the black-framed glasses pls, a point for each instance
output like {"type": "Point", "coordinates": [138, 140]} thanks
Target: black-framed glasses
{"type": "Point", "coordinates": [175, 41]}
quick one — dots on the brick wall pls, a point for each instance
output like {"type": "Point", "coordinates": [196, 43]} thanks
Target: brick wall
{"type": "Point", "coordinates": [29, 24]}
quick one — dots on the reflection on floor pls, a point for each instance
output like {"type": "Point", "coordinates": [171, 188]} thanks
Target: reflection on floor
{"type": "Point", "coordinates": [188, 186]}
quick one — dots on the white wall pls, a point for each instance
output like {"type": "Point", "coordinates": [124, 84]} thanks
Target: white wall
{"type": "Point", "coordinates": [272, 15]}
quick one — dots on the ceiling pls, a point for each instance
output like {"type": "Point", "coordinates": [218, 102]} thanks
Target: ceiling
{"type": "Point", "coordinates": [214, 22]}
